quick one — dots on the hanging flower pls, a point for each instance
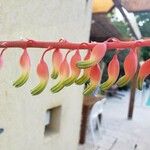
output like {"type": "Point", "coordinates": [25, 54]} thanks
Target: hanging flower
{"type": "Point", "coordinates": [97, 54]}
{"type": "Point", "coordinates": [113, 72]}
{"type": "Point", "coordinates": [95, 76]}
{"type": "Point", "coordinates": [57, 59]}
{"type": "Point", "coordinates": [75, 71]}
{"type": "Point", "coordinates": [25, 66]}
{"type": "Point", "coordinates": [143, 73]}
{"type": "Point", "coordinates": [64, 74]}
{"type": "Point", "coordinates": [130, 67]}
{"type": "Point", "coordinates": [86, 74]}
{"type": "Point", "coordinates": [43, 73]}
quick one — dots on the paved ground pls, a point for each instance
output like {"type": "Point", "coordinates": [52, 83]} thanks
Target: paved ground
{"type": "Point", "coordinates": [118, 133]}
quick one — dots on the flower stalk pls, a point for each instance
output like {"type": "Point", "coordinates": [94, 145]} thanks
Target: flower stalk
{"type": "Point", "coordinates": [79, 70]}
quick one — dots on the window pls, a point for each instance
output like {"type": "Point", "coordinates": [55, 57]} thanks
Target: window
{"type": "Point", "coordinates": [52, 121]}
{"type": "Point", "coordinates": [1, 130]}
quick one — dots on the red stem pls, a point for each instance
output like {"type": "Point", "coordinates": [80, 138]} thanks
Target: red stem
{"type": "Point", "coordinates": [2, 51]}
{"type": "Point", "coordinates": [48, 49]}
{"type": "Point", "coordinates": [72, 46]}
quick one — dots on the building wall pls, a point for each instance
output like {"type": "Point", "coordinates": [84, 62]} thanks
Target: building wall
{"type": "Point", "coordinates": [21, 114]}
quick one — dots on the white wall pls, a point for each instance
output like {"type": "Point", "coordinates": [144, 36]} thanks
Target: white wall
{"type": "Point", "coordinates": [22, 115]}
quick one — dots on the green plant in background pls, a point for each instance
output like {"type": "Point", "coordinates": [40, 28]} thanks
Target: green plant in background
{"type": "Point", "coordinates": [120, 25]}
{"type": "Point", "coordinates": [143, 20]}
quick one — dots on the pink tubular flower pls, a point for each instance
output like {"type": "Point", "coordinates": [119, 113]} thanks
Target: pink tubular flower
{"type": "Point", "coordinates": [97, 54]}
{"type": "Point", "coordinates": [143, 73]}
{"type": "Point", "coordinates": [57, 58]}
{"type": "Point", "coordinates": [130, 67]}
{"type": "Point", "coordinates": [95, 76]}
{"type": "Point", "coordinates": [43, 73]}
{"type": "Point", "coordinates": [25, 66]}
{"type": "Point", "coordinates": [64, 74]}
{"type": "Point", "coordinates": [86, 74]}
{"type": "Point", "coordinates": [113, 72]}
{"type": "Point", "coordinates": [75, 71]}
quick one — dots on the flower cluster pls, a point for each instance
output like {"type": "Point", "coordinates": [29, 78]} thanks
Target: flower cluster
{"type": "Point", "coordinates": [78, 70]}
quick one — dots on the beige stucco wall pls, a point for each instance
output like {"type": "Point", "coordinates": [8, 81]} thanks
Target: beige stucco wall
{"type": "Point", "coordinates": [22, 115]}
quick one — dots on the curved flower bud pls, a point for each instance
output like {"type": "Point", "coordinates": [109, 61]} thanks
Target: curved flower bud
{"type": "Point", "coordinates": [64, 74]}
{"type": "Point", "coordinates": [43, 73]}
{"type": "Point", "coordinates": [86, 74]}
{"type": "Point", "coordinates": [25, 66]}
{"type": "Point", "coordinates": [57, 58]}
{"type": "Point", "coordinates": [130, 67]}
{"type": "Point", "coordinates": [75, 71]}
{"type": "Point", "coordinates": [113, 73]}
{"type": "Point", "coordinates": [143, 73]}
{"type": "Point", "coordinates": [95, 76]}
{"type": "Point", "coordinates": [97, 54]}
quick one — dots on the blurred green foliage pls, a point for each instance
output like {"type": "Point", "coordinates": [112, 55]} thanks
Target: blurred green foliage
{"type": "Point", "coordinates": [143, 20]}
{"type": "Point", "coordinates": [120, 25]}
{"type": "Point", "coordinates": [122, 28]}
